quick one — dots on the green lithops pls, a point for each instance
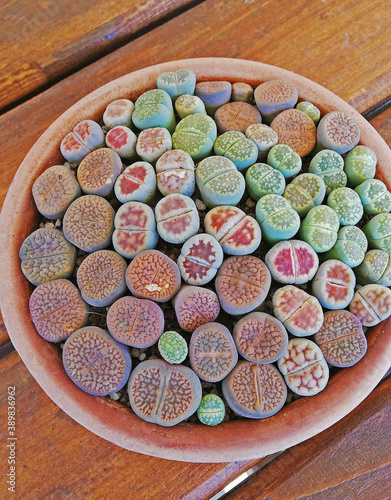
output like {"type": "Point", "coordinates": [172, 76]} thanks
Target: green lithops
{"type": "Point", "coordinates": [176, 83]}
{"type": "Point", "coordinates": [173, 347]}
{"type": "Point", "coordinates": [320, 228]}
{"type": "Point", "coordinates": [305, 192]}
{"type": "Point", "coordinates": [262, 179]}
{"type": "Point", "coordinates": [329, 165]}
{"type": "Point", "coordinates": [195, 135]}
{"type": "Point", "coordinates": [378, 232]}
{"type": "Point", "coordinates": [375, 268]}
{"type": "Point", "coordinates": [187, 105]}
{"type": "Point", "coordinates": [350, 246]}
{"type": "Point", "coordinates": [347, 205]}
{"type": "Point", "coordinates": [211, 410]}
{"type": "Point", "coordinates": [235, 146]}
{"type": "Point", "coordinates": [360, 165]}
{"type": "Point", "coordinates": [277, 218]}
{"type": "Point", "coordinates": [284, 159]}
{"type": "Point", "coordinates": [310, 109]}
{"type": "Point", "coordinates": [154, 109]}
{"type": "Point", "coordinates": [375, 197]}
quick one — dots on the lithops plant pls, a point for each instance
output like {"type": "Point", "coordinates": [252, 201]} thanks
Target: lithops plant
{"type": "Point", "coordinates": [237, 148]}
{"type": "Point", "coordinates": [242, 92]}
{"type": "Point", "coordinates": [89, 223]}
{"type": "Point", "coordinates": [305, 371]}
{"type": "Point", "coordinates": [301, 313]}
{"type": "Point", "coordinates": [305, 192]}
{"type": "Point", "coordinates": [274, 96]}
{"type": "Point", "coordinates": [211, 410]}
{"type": "Point", "coordinates": [46, 255]}
{"type": "Point", "coordinates": [136, 183]}
{"type": "Point", "coordinates": [135, 229]}
{"type": "Point", "coordinates": [341, 339]}
{"type": "Point", "coordinates": [86, 136]}
{"type": "Point", "coordinates": [263, 137]}
{"type": "Point", "coordinates": [213, 94]}
{"type": "Point", "coordinates": [153, 275]}
{"type": "Point", "coordinates": [337, 131]}
{"type": "Point", "coordinates": [283, 158]}
{"type": "Point", "coordinates": [262, 179]}
{"type": "Point", "coordinates": [164, 394]}
{"type": "Point", "coordinates": [292, 262]}
{"type": "Point", "coordinates": [177, 218]}
{"type": "Point", "coordinates": [96, 362]}
{"type": "Point", "coordinates": [278, 220]}
{"type": "Point", "coordinates": [57, 310]}
{"type": "Point", "coordinates": [175, 173]}
{"type": "Point", "coordinates": [98, 172]}
{"type": "Point", "coordinates": [187, 105]}
{"type": "Point", "coordinates": [261, 338]}
{"type": "Point", "coordinates": [329, 165]}
{"type": "Point", "coordinates": [242, 284]}
{"type": "Point", "coordinates": [135, 322]}
{"type": "Point", "coordinates": [173, 347]}
{"type": "Point", "coordinates": [152, 143]}
{"type": "Point", "coordinates": [118, 112]}
{"type": "Point", "coordinates": [350, 246]}
{"type": "Point", "coordinates": [195, 306]}
{"type": "Point", "coordinates": [123, 141]}
{"type": "Point", "coordinates": [371, 304]}
{"type": "Point", "coordinates": [374, 196]}
{"type": "Point", "coordinates": [375, 268]}
{"type": "Point", "coordinates": [201, 256]}
{"type": "Point", "coordinates": [236, 116]}
{"type": "Point", "coordinates": [237, 233]}
{"type": "Point", "coordinates": [154, 109]}
{"type": "Point", "coordinates": [360, 165]}
{"type": "Point", "coordinates": [333, 284]}
{"type": "Point", "coordinates": [320, 228]}
{"type": "Point", "coordinates": [212, 352]}
{"type": "Point", "coordinates": [254, 391]}
{"type": "Point", "coordinates": [176, 83]}
{"type": "Point", "coordinates": [310, 109]}
{"type": "Point", "coordinates": [295, 129]}
{"type": "Point", "coordinates": [195, 134]}
{"type": "Point", "coordinates": [378, 232]}
{"type": "Point", "coordinates": [347, 205]}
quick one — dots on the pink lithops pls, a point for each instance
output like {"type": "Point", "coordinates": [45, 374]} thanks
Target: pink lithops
{"type": "Point", "coordinates": [371, 304]}
{"type": "Point", "coordinates": [135, 322]}
{"type": "Point", "coordinates": [337, 131]}
{"type": "Point", "coordinates": [201, 256]}
{"type": "Point", "coordinates": [260, 337]}
{"type": "Point", "coordinates": [334, 284]}
{"type": "Point", "coordinates": [212, 352]}
{"type": "Point", "coordinates": [295, 129]}
{"type": "Point", "coordinates": [98, 172]}
{"type": "Point", "coordinates": [118, 112]}
{"type": "Point", "coordinates": [341, 339]}
{"type": "Point", "coordinates": [274, 96]}
{"type": "Point", "coordinates": [152, 143]}
{"type": "Point", "coordinates": [135, 229]}
{"type": "Point", "coordinates": [177, 218]}
{"type": "Point", "coordinates": [301, 313]}
{"type": "Point", "coordinates": [89, 223]}
{"type": "Point", "coordinates": [175, 173]}
{"type": "Point", "coordinates": [86, 136]}
{"type": "Point", "coordinates": [255, 391]}
{"type": "Point", "coordinates": [292, 262]}
{"type": "Point", "coordinates": [95, 362]}
{"type": "Point", "coordinates": [101, 278]}
{"type": "Point", "coordinates": [54, 190]}
{"type": "Point", "coordinates": [162, 393]}
{"type": "Point", "coordinates": [236, 116]}
{"type": "Point", "coordinates": [237, 233]}
{"type": "Point", "coordinates": [123, 141]}
{"type": "Point", "coordinates": [213, 94]}
{"type": "Point", "coordinates": [242, 284]}
{"type": "Point", "coordinates": [195, 306]}
{"type": "Point", "coordinates": [57, 310]}
{"type": "Point", "coordinates": [136, 183]}
{"type": "Point", "coordinates": [153, 275]}
{"type": "Point", "coordinates": [305, 371]}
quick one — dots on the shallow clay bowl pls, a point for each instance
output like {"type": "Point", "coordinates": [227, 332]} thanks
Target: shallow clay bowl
{"type": "Point", "coordinates": [240, 440]}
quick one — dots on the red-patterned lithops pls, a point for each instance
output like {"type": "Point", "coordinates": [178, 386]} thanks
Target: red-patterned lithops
{"type": "Point", "coordinates": [87, 135]}
{"type": "Point", "coordinates": [152, 143]}
{"type": "Point", "coordinates": [177, 218]}
{"type": "Point", "coordinates": [341, 339]}
{"type": "Point", "coordinates": [118, 112]}
{"type": "Point", "coordinates": [236, 116]}
{"type": "Point", "coordinates": [195, 306]}
{"type": "Point", "coordinates": [295, 129]}
{"type": "Point", "coordinates": [292, 262]}
{"type": "Point", "coordinates": [242, 284]}
{"type": "Point", "coordinates": [305, 371]}
{"type": "Point", "coordinates": [261, 338]}
{"type": "Point", "coordinates": [334, 284]}
{"type": "Point", "coordinates": [201, 256]}
{"type": "Point", "coordinates": [135, 229]}
{"type": "Point", "coordinates": [254, 391]}
{"type": "Point", "coordinates": [371, 304]}
{"type": "Point", "coordinates": [57, 310]}
{"type": "Point", "coordinates": [274, 96]}
{"type": "Point", "coordinates": [153, 275]}
{"type": "Point", "coordinates": [135, 322]}
{"type": "Point", "coordinates": [162, 393]}
{"type": "Point", "coordinates": [136, 183]}
{"type": "Point", "coordinates": [123, 141]}
{"type": "Point", "coordinates": [95, 362]}
{"type": "Point", "coordinates": [98, 171]}
{"type": "Point", "coordinates": [337, 131]}
{"type": "Point", "coordinates": [175, 173]}
{"type": "Point", "coordinates": [212, 352]}
{"type": "Point", "coordinates": [301, 314]}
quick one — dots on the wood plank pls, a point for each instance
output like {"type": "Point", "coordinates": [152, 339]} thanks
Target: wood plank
{"type": "Point", "coordinates": [44, 40]}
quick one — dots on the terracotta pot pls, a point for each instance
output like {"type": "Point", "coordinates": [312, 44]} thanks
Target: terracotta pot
{"type": "Point", "coordinates": [242, 440]}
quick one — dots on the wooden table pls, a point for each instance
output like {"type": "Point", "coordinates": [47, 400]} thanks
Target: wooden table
{"type": "Point", "coordinates": [53, 53]}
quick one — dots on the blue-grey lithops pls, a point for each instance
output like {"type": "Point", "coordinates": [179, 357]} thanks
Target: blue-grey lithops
{"type": "Point", "coordinates": [278, 220]}
{"type": "Point", "coordinates": [374, 196]}
{"type": "Point", "coordinates": [154, 109]}
{"type": "Point", "coordinates": [284, 159]}
{"type": "Point", "coordinates": [176, 83]}
{"type": "Point", "coordinates": [262, 179]}
{"type": "Point", "coordinates": [329, 165]}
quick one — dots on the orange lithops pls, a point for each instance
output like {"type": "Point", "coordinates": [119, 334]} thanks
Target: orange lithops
{"type": "Point", "coordinates": [295, 129]}
{"type": "Point", "coordinates": [236, 116]}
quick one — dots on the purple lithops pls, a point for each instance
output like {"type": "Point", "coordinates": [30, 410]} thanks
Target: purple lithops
{"type": "Point", "coordinates": [254, 391]}
{"type": "Point", "coordinates": [152, 143]}
{"type": "Point", "coordinates": [212, 352]}
{"type": "Point", "coordinates": [175, 173]}
{"type": "Point", "coordinates": [334, 284]}
{"type": "Point", "coordinates": [274, 96]}
{"type": "Point", "coordinates": [162, 393]}
{"type": "Point", "coordinates": [123, 141]}
{"type": "Point", "coordinates": [260, 338]}
{"type": "Point", "coordinates": [201, 256]}
{"type": "Point", "coordinates": [177, 218]}
{"type": "Point", "coordinates": [98, 172]}
{"type": "Point", "coordinates": [118, 112]}
{"type": "Point", "coordinates": [213, 94]}
{"type": "Point", "coordinates": [195, 306]}
{"type": "Point", "coordinates": [337, 131]}
{"type": "Point", "coordinates": [136, 183]}
{"type": "Point", "coordinates": [86, 136]}
{"type": "Point", "coordinates": [95, 362]}
{"type": "Point", "coordinates": [242, 284]}
{"type": "Point", "coordinates": [371, 304]}
{"type": "Point", "coordinates": [57, 310]}
{"type": "Point", "coordinates": [236, 116]}
{"type": "Point", "coordinates": [135, 322]}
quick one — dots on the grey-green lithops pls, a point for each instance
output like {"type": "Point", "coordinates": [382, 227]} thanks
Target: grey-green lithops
{"type": "Point", "coordinates": [347, 205]}
{"type": "Point", "coordinates": [350, 246]}
{"type": "Point", "coordinates": [278, 220]}
{"type": "Point", "coordinates": [187, 105]}
{"type": "Point", "coordinates": [235, 146]}
{"type": "Point", "coordinates": [263, 136]}
{"type": "Point", "coordinates": [329, 165]}
{"type": "Point", "coordinates": [173, 347]}
{"type": "Point", "coordinates": [211, 410]}
{"type": "Point", "coordinates": [176, 83]}
{"type": "Point", "coordinates": [375, 268]}
{"type": "Point", "coordinates": [262, 179]}
{"type": "Point", "coordinates": [320, 228]}
{"type": "Point", "coordinates": [284, 159]}
{"type": "Point", "coordinates": [305, 192]}
{"type": "Point", "coordinates": [154, 109]}
{"type": "Point", "coordinates": [360, 165]}
{"type": "Point", "coordinates": [375, 197]}
{"type": "Point", "coordinates": [195, 135]}
{"type": "Point", "coordinates": [310, 109]}
{"type": "Point", "coordinates": [378, 232]}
